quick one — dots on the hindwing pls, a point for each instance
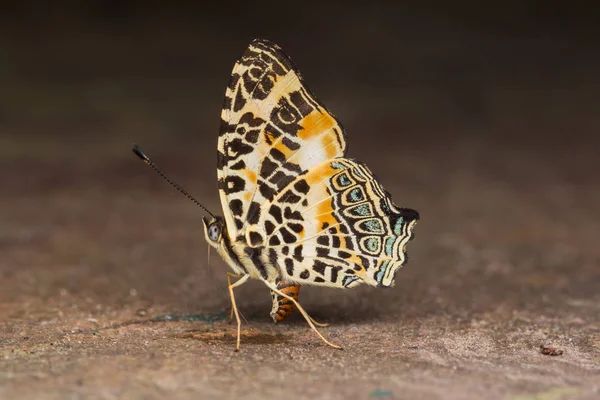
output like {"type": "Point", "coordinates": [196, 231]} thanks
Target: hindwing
{"type": "Point", "coordinates": [334, 225]}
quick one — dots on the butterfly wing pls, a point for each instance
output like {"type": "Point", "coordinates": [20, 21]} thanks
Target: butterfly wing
{"type": "Point", "coordinates": [334, 225]}
{"type": "Point", "coordinates": [272, 129]}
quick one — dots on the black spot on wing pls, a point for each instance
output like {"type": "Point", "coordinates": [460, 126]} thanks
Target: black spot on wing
{"type": "Point", "coordinates": [323, 240]}
{"type": "Point", "coordinates": [254, 78]}
{"type": "Point", "coordinates": [289, 214]}
{"type": "Point", "coordinates": [252, 136]}
{"type": "Point", "coordinates": [233, 81]}
{"type": "Point", "coordinates": [267, 191]}
{"type": "Point", "coordinates": [238, 223]}
{"type": "Point", "coordinates": [298, 253]}
{"type": "Point", "coordinates": [225, 127]}
{"type": "Point", "coordinates": [290, 197]}
{"type": "Point", "coordinates": [270, 134]}
{"type": "Point", "coordinates": [290, 144]}
{"type": "Point", "coordinates": [302, 186]}
{"type": "Point", "coordinates": [232, 184]}
{"type": "Point", "coordinates": [344, 254]}
{"type": "Point", "coordinates": [300, 103]}
{"type": "Point", "coordinates": [277, 155]}
{"type": "Point", "coordinates": [275, 211]}
{"type": "Point", "coordinates": [319, 267]}
{"type": "Point", "coordinates": [335, 242]}
{"type": "Point", "coordinates": [334, 272]}
{"type": "Point", "coordinates": [238, 165]}
{"type": "Point", "coordinates": [365, 262]}
{"type": "Point", "coordinates": [269, 227]}
{"type": "Point", "coordinates": [254, 212]}
{"type": "Point", "coordinates": [284, 181]}
{"type": "Point", "coordinates": [236, 207]}
{"type": "Point", "coordinates": [252, 121]}
{"type": "Point", "coordinates": [295, 168]}
{"type": "Point", "coordinates": [239, 102]}
{"type": "Point", "coordinates": [220, 160]}
{"type": "Point", "coordinates": [289, 266]}
{"type": "Point", "coordinates": [227, 103]}
{"type": "Point", "coordinates": [267, 168]}
{"type": "Point", "coordinates": [236, 147]}
{"type": "Point", "coordinates": [256, 239]}
{"type": "Point", "coordinates": [349, 244]}
{"type": "Point", "coordinates": [280, 179]}
{"type": "Point", "coordinates": [288, 237]}
{"type": "Point", "coordinates": [296, 227]}
{"type": "Point", "coordinates": [322, 251]}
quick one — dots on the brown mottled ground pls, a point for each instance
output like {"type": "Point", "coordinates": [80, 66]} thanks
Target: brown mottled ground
{"type": "Point", "coordinates": [493, 139]}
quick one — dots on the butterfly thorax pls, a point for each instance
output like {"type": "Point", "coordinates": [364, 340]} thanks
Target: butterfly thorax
{"type": "Point", "coordinates": [254, 261]}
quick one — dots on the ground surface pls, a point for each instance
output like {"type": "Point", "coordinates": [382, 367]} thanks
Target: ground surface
{"type": "Point", "coordinates": [105, 288]}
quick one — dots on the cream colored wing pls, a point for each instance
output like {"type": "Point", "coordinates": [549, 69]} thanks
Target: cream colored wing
{"type": "Point", "coordinates": [334, 225]}
{"type": "Point", "coordinates": [272, 130]}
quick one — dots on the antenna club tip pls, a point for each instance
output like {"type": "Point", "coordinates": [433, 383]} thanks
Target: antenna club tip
{"type": "Point", "coordinates": [139, 152]}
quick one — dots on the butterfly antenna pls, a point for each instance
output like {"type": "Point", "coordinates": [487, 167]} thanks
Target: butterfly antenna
{"type": "Point", "coordinates": [140, 153]}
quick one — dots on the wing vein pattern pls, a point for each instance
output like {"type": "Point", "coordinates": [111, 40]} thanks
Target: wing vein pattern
{"type": "Point", "coordinates": [289, 196]}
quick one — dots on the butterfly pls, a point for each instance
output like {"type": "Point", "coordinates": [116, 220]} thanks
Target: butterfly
{"type": "Point", "coordinates": [296, 211]}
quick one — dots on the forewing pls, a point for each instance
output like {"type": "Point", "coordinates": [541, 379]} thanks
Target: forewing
{"type": "Point", "coordinates": [272, 129]}
{"type": "Point", "coordinates": [335, 226]}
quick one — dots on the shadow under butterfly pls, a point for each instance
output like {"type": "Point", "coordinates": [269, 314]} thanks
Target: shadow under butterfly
{"type": "Point", "coordinates": [296, 211]}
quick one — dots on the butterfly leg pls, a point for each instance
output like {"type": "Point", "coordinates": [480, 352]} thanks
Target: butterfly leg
{"type": "Point", "coordinates": [283, 307]}
{"type": "Point", "coordinates": [229, 276]}
{"type": "Point", "coordinates": [241, 281]}
{"type": "Point", "coordinates": [319, 324]}
{"type": "Point", "coordinates": [274, 288]}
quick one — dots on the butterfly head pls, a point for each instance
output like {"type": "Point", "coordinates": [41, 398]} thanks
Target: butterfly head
{"type": "Point", "coordinates": [214, 230]}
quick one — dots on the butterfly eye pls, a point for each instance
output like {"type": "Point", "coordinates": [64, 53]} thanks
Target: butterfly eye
{"type": "Point", "coordinates": [214, 232]}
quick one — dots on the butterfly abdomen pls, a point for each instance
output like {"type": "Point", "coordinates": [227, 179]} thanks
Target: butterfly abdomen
{"type": "Point", "coordinates": [283, 307]}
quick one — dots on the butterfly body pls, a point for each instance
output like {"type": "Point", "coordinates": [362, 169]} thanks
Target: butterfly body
{"type": "Point", "coordinates": [296, 210]}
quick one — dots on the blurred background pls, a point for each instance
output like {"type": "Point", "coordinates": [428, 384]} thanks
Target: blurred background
{"type": "Point", "coordinates": [430, 93]}
{"type": "Point", "coordinates": [455, 107]}
{"type": "Point", "coordinates": [484, 116]}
